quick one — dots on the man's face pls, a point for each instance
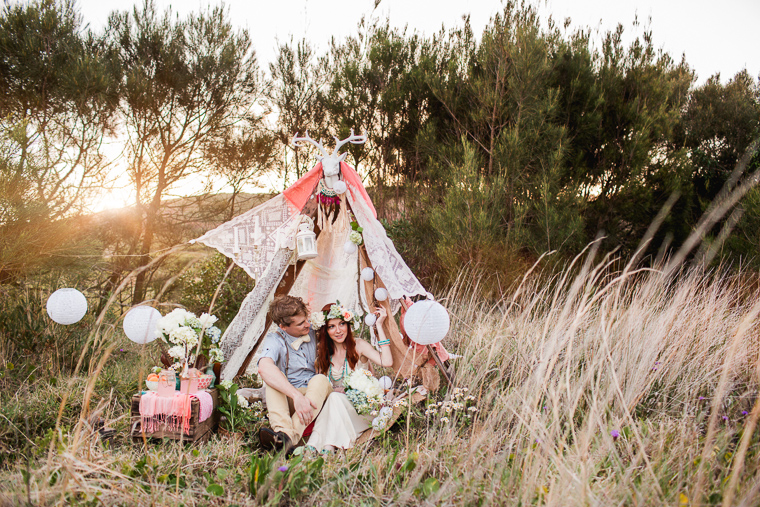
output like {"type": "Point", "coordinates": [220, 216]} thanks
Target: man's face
{"type": "Point", "coordinates": [299, 326]}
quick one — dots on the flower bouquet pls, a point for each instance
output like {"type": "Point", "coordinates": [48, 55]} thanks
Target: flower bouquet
{"type": "Point", "coordinates": [190, 337]}
{"type": "Point", "coordinates": [363, 391]}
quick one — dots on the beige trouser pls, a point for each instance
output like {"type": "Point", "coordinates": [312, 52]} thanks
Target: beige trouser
{"type": "Point", "coordinates": [282, 414]}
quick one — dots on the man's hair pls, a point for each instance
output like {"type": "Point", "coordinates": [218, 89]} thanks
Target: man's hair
{"type": "Point", "coordinates": [284, 308]}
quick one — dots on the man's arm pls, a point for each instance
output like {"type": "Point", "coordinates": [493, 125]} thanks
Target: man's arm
{"type": "Point", "coordinates": [275, 379]}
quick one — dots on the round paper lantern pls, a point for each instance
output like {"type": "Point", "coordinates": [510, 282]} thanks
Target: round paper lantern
{"type": "Point", "coordinates": [349, 247]}
{"type": "Point", "coordinates": [67, 306]}
{"type": "Point", "coordinates": [368, 274]}
{"type": "Point", "coordinates": [140, 324]}
{"type": "Point", "coordinates": [340, 187]}
{"type": "Point", "coordinates": [386, 383]}
{"type": "Point", "coordinates": [381, 294]}
{"type": "Point", "coordinates": [370, 319]}
{"type": "Point", "coordinates": [426, 322]}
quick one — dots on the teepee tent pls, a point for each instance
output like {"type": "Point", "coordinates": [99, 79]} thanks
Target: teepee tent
{"type": "Point", "coordinates": [262, 241]}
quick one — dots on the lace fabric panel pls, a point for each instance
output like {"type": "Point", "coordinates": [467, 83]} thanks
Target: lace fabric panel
{"type": "Point", "coordinates": [252, 239]}
{"type": "Point", "coordinates": [333, 274]}
{"type": "Point", "coordinates": [246, 328]}
{"type": "Point", "coordinates": [386, 261]}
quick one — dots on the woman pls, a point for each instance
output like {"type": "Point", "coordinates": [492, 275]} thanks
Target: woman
{"type": "Point", "coordinates": [338, 354]}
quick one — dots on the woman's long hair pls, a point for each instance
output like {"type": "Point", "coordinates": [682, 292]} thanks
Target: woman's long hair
{"type": "Point", "coordinates": [326, 347]}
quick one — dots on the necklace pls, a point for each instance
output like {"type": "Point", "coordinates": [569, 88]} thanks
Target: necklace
{"type": "Point", "coordinates": [343, 372]}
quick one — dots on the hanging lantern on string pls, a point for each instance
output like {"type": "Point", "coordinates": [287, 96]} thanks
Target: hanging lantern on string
{"type": "Point", "coordinates": [381, 294]}
{"type": "Point", "coordinates": [67, 306]}
{"type": "Point", "coordinates": [385, 382]}
{"type": "Point", "coordinates": [140, 324]}
{"type": "Point", "coordinates": [306, 242]}
{"type": "Point", "coordinates": [349, 247]}
{"type": "Point", "coordinates": [368, 274]}
{"type": "Point", "coordinates": [426, 322]}
{"type": "Point", "coordinates": [370, 319]}
{"type": "Point", "coordinates": [340, 187]}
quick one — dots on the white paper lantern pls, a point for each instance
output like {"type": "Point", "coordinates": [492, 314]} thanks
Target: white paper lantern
{"type": "Point", "coordinates": [381, 294]}
{"type": "Point", "coordinates": [368, 274]}
{"type": "Point", "coordinates": [426, 322]}
{"type": "Point", "coordinates": [67, 306]}
{"type": "Point", "coordinates": [385, 382]}
{"type": "Point", "coordinates": [349, 247]}
{"type": "Point", "coordinates": [370, 319]}
{"type": "Point", "coordinates": [340, 187]}
{"type": "Point", "coordinates": [140, 324]}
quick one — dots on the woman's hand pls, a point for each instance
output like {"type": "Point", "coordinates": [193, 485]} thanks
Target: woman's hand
{"type": "Point", "coordinates": [381, 315]}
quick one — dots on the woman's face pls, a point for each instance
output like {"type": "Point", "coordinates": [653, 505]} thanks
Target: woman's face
{"type": "Point", "coordinates": [337, 330]}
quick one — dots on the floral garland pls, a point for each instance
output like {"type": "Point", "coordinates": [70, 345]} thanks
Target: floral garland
{"type": "Point", "coordinates": [337, 311]}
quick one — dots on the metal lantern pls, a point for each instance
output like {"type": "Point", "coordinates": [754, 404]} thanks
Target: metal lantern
{"type": "Point", "coordinates": [67, 306]}
{"type": "Point", "coordinates": [426, 322]}
{"type": "Point", "coordinates": [381, 294]}
{"type": "Point", "coordinates": [140, 324]}
{"type": "Point", "coordinates": [340, 187]}
{"type": "Point", "coordinates": [368, 274]}
{"type": "Point", "coordinates": [306, 242]}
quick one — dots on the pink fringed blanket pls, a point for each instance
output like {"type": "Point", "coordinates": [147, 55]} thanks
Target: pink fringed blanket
{"type": "Point", "coordinates": [157, 411]}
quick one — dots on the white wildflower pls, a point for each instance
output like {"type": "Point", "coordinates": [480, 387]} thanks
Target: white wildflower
{"type": "Point", "coordinates": [242, 401]}
{"type": "Point", "coordinates": [207, 320]}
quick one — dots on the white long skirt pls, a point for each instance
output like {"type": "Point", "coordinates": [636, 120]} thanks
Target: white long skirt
{"type": "Point", "coordinates": [338, 424]}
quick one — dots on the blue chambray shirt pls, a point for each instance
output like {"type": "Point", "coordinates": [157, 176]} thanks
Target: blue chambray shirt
{"type": "Point", "coordinates": [301, 367]}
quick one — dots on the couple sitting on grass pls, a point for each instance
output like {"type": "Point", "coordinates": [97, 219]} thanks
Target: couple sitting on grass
{"type": "Point", "coordinates": [304, 369]}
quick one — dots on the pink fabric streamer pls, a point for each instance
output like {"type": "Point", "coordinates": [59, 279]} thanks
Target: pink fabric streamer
{"type": "Point", "coordinates": [172, 412]}
{"type": "Point", "coordinates": [300, 191]}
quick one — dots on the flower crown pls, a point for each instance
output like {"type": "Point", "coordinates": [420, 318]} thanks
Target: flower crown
{"type": "Point", "coordinates": [336, 311]}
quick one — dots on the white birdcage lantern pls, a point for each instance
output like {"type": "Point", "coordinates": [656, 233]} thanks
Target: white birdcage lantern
{"type": "Point", "coordinates": [306, 241]}
{"type": "Point", "coordinates": [140, 324]}
{"type": "Point", "coordinates": [426, 322]}
{"type": "Point", "coordinates": [67, 306]}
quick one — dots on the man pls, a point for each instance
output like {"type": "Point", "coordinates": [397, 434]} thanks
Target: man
{"type": "Point", "coordinates": [295, 393]}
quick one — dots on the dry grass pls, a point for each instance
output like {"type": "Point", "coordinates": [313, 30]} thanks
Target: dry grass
{"type": "Point", "coordinates": [670, 363]}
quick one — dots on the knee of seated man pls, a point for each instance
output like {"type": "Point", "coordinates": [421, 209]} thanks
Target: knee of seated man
{"type": "Point", "coordinates": [320, 381]}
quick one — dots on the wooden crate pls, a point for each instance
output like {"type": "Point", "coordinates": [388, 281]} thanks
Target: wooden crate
{"type": "Point", "coordinates": [199, 432]}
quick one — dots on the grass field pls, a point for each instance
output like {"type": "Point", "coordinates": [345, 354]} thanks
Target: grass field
{"type": "Point", "coordinates": [595, 386]}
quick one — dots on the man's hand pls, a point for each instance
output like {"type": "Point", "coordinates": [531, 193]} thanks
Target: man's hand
{"type": "Point", "coordinates": [305, 409]}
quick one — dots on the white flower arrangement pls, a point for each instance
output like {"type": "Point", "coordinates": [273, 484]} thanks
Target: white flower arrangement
{"type": "Point", "coordinates": [364, 391]}
{"type": "Point", "coordinates": [216, 355]}
{"type": "Point", "coordinates": [317, 320]}
{"type": "Point", "coordinates": [355, 237]}
{"type": "Point", "coordinates": [380, 422]}
{"type": "Point", "coordinates": [185, 332]}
